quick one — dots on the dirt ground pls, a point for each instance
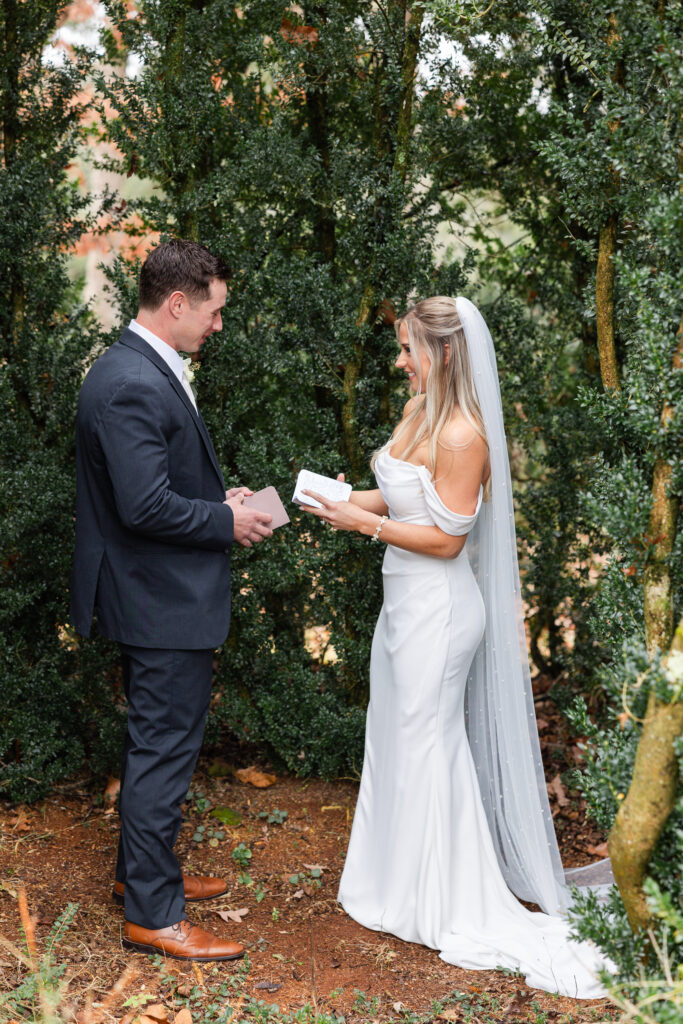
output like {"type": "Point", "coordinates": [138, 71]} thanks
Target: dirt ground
{"type": "Point", "coordinates": [303, 951]}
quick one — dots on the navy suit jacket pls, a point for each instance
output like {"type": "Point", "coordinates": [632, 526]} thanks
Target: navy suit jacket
{"type": "Point", "coordinates": [153, 536]}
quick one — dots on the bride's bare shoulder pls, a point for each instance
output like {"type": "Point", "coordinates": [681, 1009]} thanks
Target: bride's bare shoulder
{"type": "Point", "coordinates": [461, 465]}
{"type": "Point", "coordinates": [459, 434]}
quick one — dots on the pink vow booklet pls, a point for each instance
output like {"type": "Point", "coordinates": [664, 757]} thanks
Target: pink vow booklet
{"type": "Point", "coordinates": [268, 500]}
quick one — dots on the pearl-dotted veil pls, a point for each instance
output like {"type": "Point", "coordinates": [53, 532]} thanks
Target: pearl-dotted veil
{"type": "Point", "coordinates": [501, 722]}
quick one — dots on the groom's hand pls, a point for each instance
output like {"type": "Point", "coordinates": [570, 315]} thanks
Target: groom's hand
{"type": "Point", "coordinates": [249, 525]}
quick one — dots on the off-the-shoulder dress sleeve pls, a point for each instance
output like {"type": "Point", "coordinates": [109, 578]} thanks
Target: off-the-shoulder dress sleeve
{"type": "Point", "coordinates": [453, 523]}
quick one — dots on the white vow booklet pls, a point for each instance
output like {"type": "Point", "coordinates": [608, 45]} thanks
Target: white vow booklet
{"type": "Point", "coordinates": [335, 490]}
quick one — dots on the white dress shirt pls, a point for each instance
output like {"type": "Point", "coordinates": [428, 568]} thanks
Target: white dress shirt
{"type": "Point", "coordinates": [169, 355]}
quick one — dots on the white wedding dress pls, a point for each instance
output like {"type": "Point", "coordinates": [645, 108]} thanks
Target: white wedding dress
{"type": "Point", "coordinates": [421, 862]}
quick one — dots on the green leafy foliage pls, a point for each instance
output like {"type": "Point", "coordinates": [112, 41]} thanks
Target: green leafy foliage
{"type": "Point", "coordinates": [242, 855]}
{"type": "Point", "coordinates": [283, 145]}
{"type": "Point", "coordinates": [275, 817]}
{"type": "Point", "coordinates": [57, 705]}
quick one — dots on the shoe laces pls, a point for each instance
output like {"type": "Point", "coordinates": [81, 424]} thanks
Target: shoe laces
{"type": "Point", "coordinates": [183, 927]}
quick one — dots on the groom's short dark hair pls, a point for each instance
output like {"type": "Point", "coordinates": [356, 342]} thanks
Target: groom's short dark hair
{"type": "Point", "coordinates": [179, 265]}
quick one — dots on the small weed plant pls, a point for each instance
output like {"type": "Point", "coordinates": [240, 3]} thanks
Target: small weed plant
{"type": "Point", "coordinates": [275, 817]}
{"type": "Point", "coordinates": [39, 995]}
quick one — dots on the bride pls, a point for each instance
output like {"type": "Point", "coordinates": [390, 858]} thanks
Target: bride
{"type": "Point", "coordinates": [452, 815]}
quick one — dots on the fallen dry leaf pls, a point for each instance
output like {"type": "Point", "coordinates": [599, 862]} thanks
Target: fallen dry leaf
{"type": "Point", "coordinates": [452, 1013]}
{"type": "Point", "coordinates": [184, 989]}
{"type": "Point", "coordinates": [599, 851]}
{"type": "Point", "coordinates": [298, 894]}
{"type": "Point", "coordinates": [232, 915]}
{"type": "Point", "coordinates": [315, 867]}
{"type": "Point", "coordinates": [21, 823]}
{"type": "Point", "coordinates": [183, 1016]}
{"type": "Point", "coordinates": [111, 791]}
{"type": "Point", "coordinates": [398, 1006]}
{"type": "Point", "coordinates": [254, 777]}
{"type": "Point", "coordinates": [558, 790]}
{"type": "Point", "coordinates": [157, 1011]}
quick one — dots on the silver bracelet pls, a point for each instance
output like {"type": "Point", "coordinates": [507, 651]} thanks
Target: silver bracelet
{"type": "Point", "coordinates": [380, 524]}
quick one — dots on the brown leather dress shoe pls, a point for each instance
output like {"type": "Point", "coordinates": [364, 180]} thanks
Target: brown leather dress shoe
{"type": "Point", "coordinates": [196, 889]}
{"type": "Point", "coordinates": [182, 941]}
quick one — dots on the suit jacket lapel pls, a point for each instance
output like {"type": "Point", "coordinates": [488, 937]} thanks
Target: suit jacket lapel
{"type": "Point", "coordinates": [134, 341]}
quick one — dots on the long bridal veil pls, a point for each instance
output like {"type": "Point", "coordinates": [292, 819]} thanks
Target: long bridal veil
{"type": "Point", "coordinates": [501, 722]}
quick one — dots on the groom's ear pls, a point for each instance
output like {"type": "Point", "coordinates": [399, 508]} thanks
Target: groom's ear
{"type": "Point", "coordinates": [177, 301]}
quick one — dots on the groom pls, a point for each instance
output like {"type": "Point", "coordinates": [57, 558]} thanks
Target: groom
{"type": "Point", "coordinates": [154, 528]}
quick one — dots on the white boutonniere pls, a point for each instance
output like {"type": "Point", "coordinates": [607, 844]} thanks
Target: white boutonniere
{"type": "Point", "coordinates": [189, 368]}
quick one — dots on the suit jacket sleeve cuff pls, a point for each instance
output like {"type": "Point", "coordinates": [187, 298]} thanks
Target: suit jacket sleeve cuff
{"type": "Point", "coordinates": [227, 520]}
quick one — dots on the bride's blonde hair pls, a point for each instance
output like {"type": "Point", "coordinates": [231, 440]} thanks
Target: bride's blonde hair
{"type": "Point", "coordinates": [432, 325]}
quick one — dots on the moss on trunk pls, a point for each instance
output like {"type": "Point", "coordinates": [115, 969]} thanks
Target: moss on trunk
{"type": "Point", "coordinates": [648, 804]}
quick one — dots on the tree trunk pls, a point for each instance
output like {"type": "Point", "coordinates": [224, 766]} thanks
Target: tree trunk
{"type": "Point", "coordinates": [604, 304]}
{"type": "Point", "coordinates": [182, 183]}
{"type": "Point", "coordinates": [658, 596]}
{"type": "Point", "coordinates": [651, 799]}
{"type": "Point", "coordinates": [11, 59]}
{"type": "Point", "coordinates": [411, 47]}
{"type": "Point", "coordinates": [652, 792]}
{"type": "Point", "coordinates": [661, 531]}
{"type": "Point", "coordinates": [316, 112]}
{"type": "Point", "coordinates": [605, 271]}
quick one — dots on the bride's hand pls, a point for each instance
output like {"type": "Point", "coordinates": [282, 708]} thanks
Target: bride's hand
{"type": "Point", "coordinates": [341, 515]}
